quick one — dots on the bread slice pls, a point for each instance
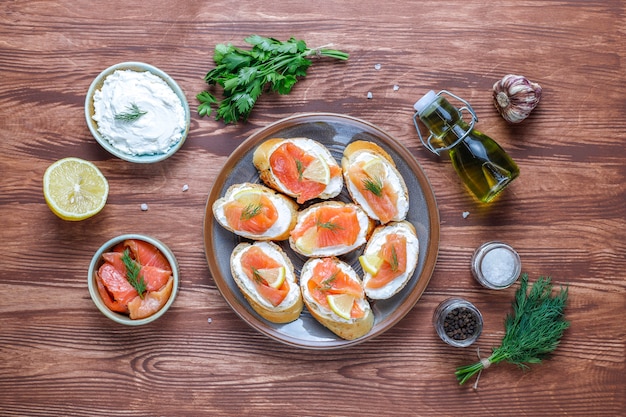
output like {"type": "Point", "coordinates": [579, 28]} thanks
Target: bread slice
{"type": "Point", "coordinates": [291, 306]}
{"type": "Point", "coordinates": [348, 329]}
{"type": "Point", "coordinates": [359, 153]}
{"type": "Point", "coordinates": [261, 160]}
{"type": "Point", "coordinates": [279, 230]}
{"type": "Point", "coordinates": [378, 238]}
{"type": "Point", "coordinates": [317, 216]}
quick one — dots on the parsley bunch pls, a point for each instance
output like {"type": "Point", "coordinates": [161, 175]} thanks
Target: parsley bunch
{"type": "Point", "coordinates": [270, 65]}
{"type": "Point", "coordinates": [531, 332]}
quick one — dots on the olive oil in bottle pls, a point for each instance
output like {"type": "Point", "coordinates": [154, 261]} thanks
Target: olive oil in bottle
{"type": "Point", "coordinates": [482, 164]}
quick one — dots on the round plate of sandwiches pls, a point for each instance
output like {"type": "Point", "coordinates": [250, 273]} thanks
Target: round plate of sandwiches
{"type": "Point", "coordinates": [321, 231]}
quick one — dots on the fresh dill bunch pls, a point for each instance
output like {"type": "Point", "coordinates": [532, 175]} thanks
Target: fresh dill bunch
{"type": "Point", "coordinates": [132, 273]}
{"type": "Point", "coordinates": [132, 113]}
{"type": "Point", "coordinates": [531, 332]}
{"type": "Point", "coordinates": [244, 74]}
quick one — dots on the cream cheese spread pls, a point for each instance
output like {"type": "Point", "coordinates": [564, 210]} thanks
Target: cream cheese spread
{"type": "Point", "coordinates": [162, 121]}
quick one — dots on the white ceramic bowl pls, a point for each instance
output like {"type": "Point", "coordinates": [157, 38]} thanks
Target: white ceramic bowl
{"type": "Point", "coordinates": [97, 260]}
{"type": "Point", "coordinates": [93, 125]}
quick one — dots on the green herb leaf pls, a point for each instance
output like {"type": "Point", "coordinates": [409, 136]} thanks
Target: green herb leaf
{"type": "Point", "coordinates": [132, 273]}
{"type": "Point", "coordinates": [533, 330]}
{"type": "Point", "coordinates": [244, 74]}
{"type": "Point", "coordinates": [133, 113]}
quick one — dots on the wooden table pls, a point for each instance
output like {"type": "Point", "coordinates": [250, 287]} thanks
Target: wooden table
{"type": "Point", "coordinates": [565, 214]}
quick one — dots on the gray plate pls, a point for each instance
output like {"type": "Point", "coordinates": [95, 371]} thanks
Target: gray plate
{"type": "Point", "coordinates": [335, 132]}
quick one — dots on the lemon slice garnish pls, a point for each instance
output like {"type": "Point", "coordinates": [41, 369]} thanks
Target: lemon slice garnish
{"type": "Point", "coordinates": [273, 276]}
{"type": "Point", "coordinates": [308, 241]}
{"type": "Point", "coordinates": [317, 171]}
{"type": "Point", "coordinates": [341, 304]}
{"type": "Point", "coordinates": [248, 196]}
{"type": "Point", "coordinates": [371, 263]}
{"type": "Point", "coordinates": [375, 168]}
{"type": "Point", "coordinates": [74, 189]}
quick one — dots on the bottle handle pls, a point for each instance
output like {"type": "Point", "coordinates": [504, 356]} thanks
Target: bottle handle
{"type": "Point", "coordinates": [428, 142]}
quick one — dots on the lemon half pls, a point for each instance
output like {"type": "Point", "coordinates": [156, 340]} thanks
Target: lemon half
{"type": "Point", "coordinates": [341, 304]}
{"type": "Point", "coordinates": [74, 189]}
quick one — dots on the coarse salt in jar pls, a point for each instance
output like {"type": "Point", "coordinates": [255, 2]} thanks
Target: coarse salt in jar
{"type": "Point", "coordinates": [496, 265]}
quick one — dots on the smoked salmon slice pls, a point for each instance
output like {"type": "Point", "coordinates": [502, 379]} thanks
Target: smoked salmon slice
{"type": "Point", "coordinates": [333, 225]}
{"type": "Point", "coordinates": [147, 254]}
{"type": "Point", "coordinates": [327, 279]}
{"type": "Point", "coordinates": [394, 256]}
{"type": "Point", "coordinates": [376, 190]}
{"type": "Point", "coordinates": [154, 277]}
{"type": "Point", "coordinates": [288, 162]}
{"type": "Point", "coordinates": [116, 284]}
{"type": "Point", "coordinates": [253, 260]}
{"type": "Point", "coordinates": [119, 294]}
{"type": "Point", "coordinates": [140, 308]}
{"type": "Point", "coordinates": [254, 217]}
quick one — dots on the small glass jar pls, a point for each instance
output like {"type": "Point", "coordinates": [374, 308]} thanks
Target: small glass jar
{"type": "Point", "coordinates": [458, 322]}
{"type": "Point", "coordinates": [496, 265]}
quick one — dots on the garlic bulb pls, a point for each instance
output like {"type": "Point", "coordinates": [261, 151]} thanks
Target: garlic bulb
{"type": "Point", "coordinates": [515, 97]}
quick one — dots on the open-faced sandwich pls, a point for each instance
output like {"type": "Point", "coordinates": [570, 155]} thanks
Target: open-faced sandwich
{"type": "Point", "coordinates": [374, 182]}
{"type": "Point", "coordinates": [266, 278]}
{"type": "Point", "coordinates": [298, 167]}
{"type": "Point", "coordinates": [334, 296]}
{"type": "Point", "coordinates": [330, 228]}
{"type": "Point", "coordinates": [389, 259]}
{"type": "Point", "coordinates": [256, 212]}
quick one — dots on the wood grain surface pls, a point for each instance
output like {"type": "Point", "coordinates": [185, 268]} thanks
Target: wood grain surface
{"type": "Point", "coordinates": [565, 214]}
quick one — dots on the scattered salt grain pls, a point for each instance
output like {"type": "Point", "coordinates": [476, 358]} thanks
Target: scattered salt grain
{"type": "Point", "coordinates": [210, 320]}
{"type": "Point", "coordinates": [144, 207]}
{"type": "Point", "coordinates": [369, 95]}
{"type": "Point", "coordinates": [466, 214]}
{"type": "Point", "coordinates": [396, 87]}
{"type": "Point", "coordinates": [185, 188]}
{"type": "Point", "coordinates": [377, 67]}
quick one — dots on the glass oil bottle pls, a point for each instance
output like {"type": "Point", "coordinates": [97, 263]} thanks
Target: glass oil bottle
{"type": "Point", "coordinates": [482, 164]}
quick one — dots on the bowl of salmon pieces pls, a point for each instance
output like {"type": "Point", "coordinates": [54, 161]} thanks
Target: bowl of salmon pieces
{"type": "Point", "coordinates": [133, 279]}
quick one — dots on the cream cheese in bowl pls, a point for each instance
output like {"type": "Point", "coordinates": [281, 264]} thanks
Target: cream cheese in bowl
{"type": "Point", "coordinates": [137, 112]}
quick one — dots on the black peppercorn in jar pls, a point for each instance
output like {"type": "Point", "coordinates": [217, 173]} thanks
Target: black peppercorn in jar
{"type": "Point", "coordinates": [458, 322]}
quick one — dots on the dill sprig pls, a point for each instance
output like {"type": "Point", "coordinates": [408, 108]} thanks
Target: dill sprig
{"type": "Point", "coordinates": [327, 284]}
{"type": "Point", "coordinates": [244, 74]}
{"type": "Point", "coordinates": [394, 259]}
{"type": "Point", "coordinates": [328, 225]}
{"type": "Point", "coordinates": [133, 113]}
{"type": "Point", "coordinates": [256, 276]}
{"type": "Point", "coordinates": [374, 185]}
{"type": "Point", "coordinates": [250, 211]}
{"type": "Point", "coordinates": [300, 168]}
{"type": "Point", "coordinates": [531, 332]}
{"type": "Point", "coordinates": [132, 273]}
